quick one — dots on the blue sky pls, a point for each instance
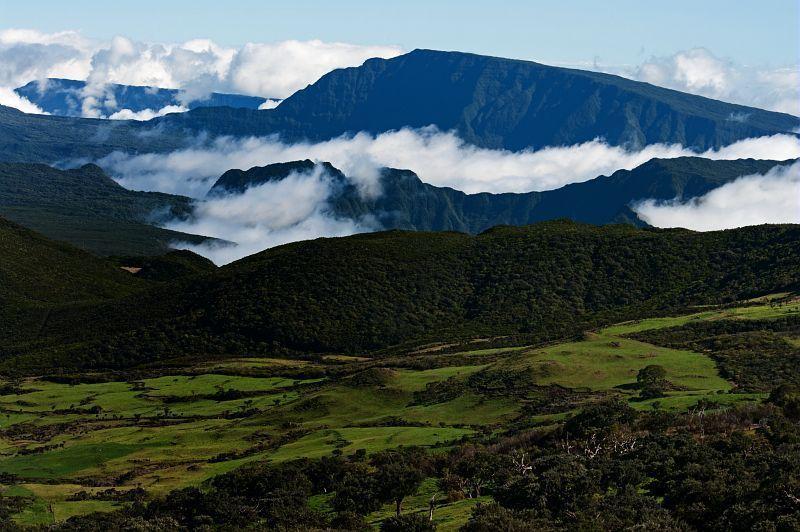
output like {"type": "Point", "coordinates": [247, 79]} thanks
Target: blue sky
{"type": "Point", "coordinates": [764, 32]}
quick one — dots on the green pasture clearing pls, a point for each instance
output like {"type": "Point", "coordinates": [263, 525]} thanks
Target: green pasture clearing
{"type": "Point", "coordinates": [372, 439]}
{"type": "Point", "coordinates": [491, 351]}
{"type": "Point", "coordinates": [65, 509]}
{"type": "Point", "coordinates": [143, 398]}
{"type": "Point", "coordinates": [681, 401]}
{"type": "Point", "coordinates": [63, 462]}
{"type": "Point", "coordinates": [604, 362]}
{"type": "Point", "coordinates": [753, 312]}
{"type": "Point", "coordinates": [467, 409]}
{"type": "Point", "coordinates": [183, 386]}
{"type": "Point", "coordinates": [413, 381]}
{"type": "Point", "coordinates": [37, 513]}
{"type": "Point", "coordinates": [248, 364]}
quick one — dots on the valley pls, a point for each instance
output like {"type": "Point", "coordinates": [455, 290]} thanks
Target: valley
{"type": "Point", "coordinates": [72, 446]}
{"type": "Point", "coordinates": [340, 282]}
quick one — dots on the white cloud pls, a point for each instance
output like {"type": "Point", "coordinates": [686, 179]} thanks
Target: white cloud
{"type": "Point", "coordinates": [27, 55]}
{"type": "Point", "coordinates": [267, 215]}
{"type": "Point", "coordinates": [280, 69]}
{"type": "Point", "coordinates": [11, 99]}
{"type": "Point", "coordinates": [146, 114]}
{"type": "Point", "coordinates": [700, 72]}
{"type": "Point", "coordinates": [750, 200]}
{"type": "Point", "coordinates": [441, 159]}
{"type": "Point", "coordinates": [294, 209]}
{"type": "Point", "coordinates": [197, 67]}
{"type": "Point", "coordinates": [269, 104]}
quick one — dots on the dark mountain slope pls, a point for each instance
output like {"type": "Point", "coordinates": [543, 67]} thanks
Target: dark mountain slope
{"type": "Point", "coordinates": [369, 292]}
{"type": "Point", "coordinates": [407, 203]}
{"type": "Point", "coordinates": [87, 208]}
{"type": "Point", "coordinates": [176, 264]}
{"type": "Point", "coordinates": [606, 199]}
{"type": "Point", "coordinates": [236, 181]}
{"type": "Point", "coordinates": [50, 139]}
{"type": "Point", "coordinates": [38, 275]}
{"type": "Point", "coordinates": [63, 97]}
{"type": "Point", "coordinates": [495, 103]}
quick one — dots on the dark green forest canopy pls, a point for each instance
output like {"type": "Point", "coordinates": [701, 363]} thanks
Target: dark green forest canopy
{"type": "Point", "coordinates": [369, 292]}
{"type": "Point", "coordinates": [38, 275]}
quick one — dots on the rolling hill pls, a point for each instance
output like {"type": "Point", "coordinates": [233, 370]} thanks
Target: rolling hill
{"type": "Point", "coordinates": [38, 275]}
{"type": "Point", "coordinates": [88, 209]}
{"type": "Point", "coordinates": [405, 202]}
{"type": "Point", "coordinates": [367, 293]}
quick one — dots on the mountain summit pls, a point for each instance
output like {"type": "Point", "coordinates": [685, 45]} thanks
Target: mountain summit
{"type": "Point", "coordinates": [495, 103]}
{"type": "Point", "coordinates": [489, 102]}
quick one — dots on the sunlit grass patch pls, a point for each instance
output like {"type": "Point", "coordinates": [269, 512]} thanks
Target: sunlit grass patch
{"type": "Point", "coordinates": [371, 439]}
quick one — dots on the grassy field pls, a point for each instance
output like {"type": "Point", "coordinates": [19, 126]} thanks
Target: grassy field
{"type": "Point", "coordinates": [181, 429]}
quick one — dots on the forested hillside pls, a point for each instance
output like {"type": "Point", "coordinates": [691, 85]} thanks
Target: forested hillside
{"type": "Point", "coordinates": [370, 292]}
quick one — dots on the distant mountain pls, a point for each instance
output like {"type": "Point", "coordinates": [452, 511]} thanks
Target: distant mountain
{"type": "Point", "coordinates": [494, 103]}
{"type": "Point", "coordinates": [87, 208]}
{"type": "Point", "coordinates": [370, 292]}
{"type": "Point", "coordinates": [236, 181]}
{"type": "Point", "coordinates": [488, 101]}
{"type": "Point", "coordinates": [52, 139]}
{"type": "Point", "coordinates": [64, 97]}
{"type": "Point", "coordinates": [405, 202]}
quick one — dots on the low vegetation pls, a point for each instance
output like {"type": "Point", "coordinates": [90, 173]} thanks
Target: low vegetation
{"type": "Point", "coordinates": [532, 437]}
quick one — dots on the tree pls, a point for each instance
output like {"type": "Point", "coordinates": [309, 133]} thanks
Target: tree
{"type": "Point", "coordinates": [478, 471]}
{"type": "Point", "coordinates": [358, 492]}
{"type": "Point", "coordinates": [653, 381]}
{"type": "Point", "coordinates": [491, 517]}
{"type": "Point", "coordinates": [600, 418]}
{"type": "Point", "coordinates": [397, 480]}
{"type": "Point", "coordinates": [407, 523]}
{"type": "Point", "coordinates": [786, 396]}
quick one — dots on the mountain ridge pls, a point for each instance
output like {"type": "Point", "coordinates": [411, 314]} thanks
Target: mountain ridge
{"type": "Point", "coordinates": [406, 202]}
{"type": "Point", "coordinates": [489, 102]}
{"type": "Point", "coordinates": [62, 97]}
{"type": "Point", "coordinates": [495, 103]}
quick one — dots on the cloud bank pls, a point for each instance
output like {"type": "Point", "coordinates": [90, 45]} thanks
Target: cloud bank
{"type": "Point", "coordinates": [11, 99]}
{"type": "Point", "coordinates": [146, 114]}
{"type": "Point", "coordinates": [197, 67]}
{"type": "Point", "coordinates": [295, 209]}
{"type": "Point", "coordinates": [699, 71]}
{"type": "Point", "coordinates": [439, 158]}
{"type": "Point", "coordinates": [750, 200]}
